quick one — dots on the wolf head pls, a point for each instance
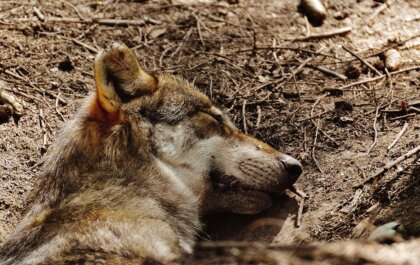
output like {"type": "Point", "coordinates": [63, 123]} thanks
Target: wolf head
{"type": "Point", "coordinates": [190, 139]}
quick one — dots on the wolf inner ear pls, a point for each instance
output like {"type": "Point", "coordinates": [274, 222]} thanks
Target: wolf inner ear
{"type": "Point", "coordinates": [119, 78]}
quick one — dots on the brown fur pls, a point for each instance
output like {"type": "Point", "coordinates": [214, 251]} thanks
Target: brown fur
{"type": "Point", "coordinates": [103, 198]}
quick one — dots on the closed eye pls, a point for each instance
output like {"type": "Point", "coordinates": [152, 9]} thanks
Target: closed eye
{"type": "Point", "coordinates": [220, 117]}
{"type": "Point", "coordinates": [217, 117]}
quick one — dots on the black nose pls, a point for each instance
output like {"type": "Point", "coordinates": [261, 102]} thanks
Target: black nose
{"type": "Point", "coordinates": [293, 167]}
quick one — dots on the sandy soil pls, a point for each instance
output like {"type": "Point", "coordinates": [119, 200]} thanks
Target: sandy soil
{"type": "Point", "coordinates": [241, 55]}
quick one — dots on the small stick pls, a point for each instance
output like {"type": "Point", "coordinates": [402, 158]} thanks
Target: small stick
{"type": "Point", "coordinates": [300, 67]}
{"type": "Point", "coordinates": [398, 136]}
{"type": "Point", "coordinates": [402, 117]}
{"type": "Point", "coordinates": [103, 21]}
{"type": "Point", "coordinates": [204, 25]}
{"type": "Point", "coordinates": [414, 109]}
{"type": "Point", "coordinates": [308, 27]}
{"type": "Point", "coordinates": [375, 139]}
{"type": "Point", "coordinates": [258, 116]}
{"type": "Point", "coordinates": [229, 244]}
{"type": "Point", "coordinates": [92, 27]}
{"type": "Point", "coordinates": [23, 94]}
{"type": "Point", "coordinates": [313, 151]}
{"type": "Point", "coordinates": [25, 79]}
{"type": "Point", "coordinates": [328, 71]}
{"type": "Point", "coordinates": [379, 77]}
{"type": "Point", "coordinates": [56, 107]}
{"type": "Point", "coordinates": [288, 48]}
{"type": "Point", "coordinates": [398, 192]}
{"type": "Point", "coordinates": [328, 34]}
{"type": "Point", "coordinates": [297, 87]}
{"type": "Point", "coordinates": [356, 197]}
{"type": "Point", "coordinates": [413, 103]}
{"type": "Point", "coordinates": [380, 9]}
{"type": "Point", "coordinates": [388, 166]}
{"type": "Point", "coordinates": [211, 88]}
{"type": "Point", "coordinates": [413, 18]}
{"type": "Point", "coordinates": [298, 192]}
{"type": "Point", "coordinates": [182, 43]}
{"type": "Point", "coordinates": [328, 137]}
{"type": "Point", "coordinates": [300, 212]}
{"type": "Point", "coordinates": [88, 47]}
{"type": "Point", "coordinates": [315, 116]}
{"type": "Point", "coordinates": [198, 22]}
{"type": "Point", "coordinates": [244, 116]}
{"type": "Point", "coordinates": [39, 14]}
{"type": "Point", "coordinates": [251, 244]}
{"type": "Point", "coordinates": [373, 207]}
{"type": "Point", "coordinates": [392, 111]}
{"type": "Point", "coordinates": [316, 133]}
{"type": "Point", "coordinates": [73, 7]}
{"type": "Point", "coordinates": [394, 46]}
{"type": "Point", "coordinates": [14, 75]}
{"type": "Point", "coordinates": [362, 60]}
{"type": "Point", "coordinates": [8, 98]}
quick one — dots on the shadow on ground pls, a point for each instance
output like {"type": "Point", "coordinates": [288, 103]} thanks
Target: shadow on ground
{"type": "Point", "coordinates": [262, 227]}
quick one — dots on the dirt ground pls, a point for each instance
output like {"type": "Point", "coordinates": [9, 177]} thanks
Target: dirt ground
{"type": "Point", "coordinates": [253, 59]}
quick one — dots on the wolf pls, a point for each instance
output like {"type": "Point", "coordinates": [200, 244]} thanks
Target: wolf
{"type": "Point", "coordinates": [129, 177]}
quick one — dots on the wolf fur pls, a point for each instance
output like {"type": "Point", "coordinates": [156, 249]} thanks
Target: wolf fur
{"type": "Point", "coordinates": [128, 177]}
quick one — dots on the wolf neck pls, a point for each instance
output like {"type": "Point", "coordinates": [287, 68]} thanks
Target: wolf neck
{"type": "Point", "coordinates": [83, 149]}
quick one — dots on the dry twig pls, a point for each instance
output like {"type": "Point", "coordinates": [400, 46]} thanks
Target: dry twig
{"type": "Point", "coordinates": [402, 117]}
{"type": "Point", "coordinates": [275, 48]}
{"type": "Point", "coordinates": [302, 196]}
{"type": "Point", "coordinates": [375, 137]}
{"type": "Point", "coordinates": [404, 128]}
{"type": "Point", "coordinates": [315, 116]}
{"type": "Point", "coordinates": [88, 47]}
{"type": "Point", "coordinates": [388, 166]}
{"type": "Point", "coordinates": [38, 13]}
{"type": "Point", "coordinates": [56, 107]}
{"type": "Point", "coordinates": [258, 116]}
{"type": "Point", "coordinates": [328, 71]}
{"type": "Point", "coordinates": [356, 197]}
{"type": "Point", "coordinates": [244, 116]}
{"type": "Point", "coordinates": [10, 99]}
{"type": "Point", "coordinates": [300, 212]}
{"type": "Point", "coordinates": [298, 192]}
{"type": "Point", "coordinates": [362, 60]}
{"type": "Point", "coordinates": [73, 7]}
{"type": "Point", "coordinates": [29, 82]}
{"type": "Point", "coordinates": [300, 67]}
{"type": "Point", "coordinates": [316, 134]}
{"type": "Point", "coordinates": [416, 67]}
{"type": "Point", "coordinates": [102, 21]}
{"type": "Point", "coordinates": [380, 9]}
{"type": "Point", "coordinates": [328, 34]}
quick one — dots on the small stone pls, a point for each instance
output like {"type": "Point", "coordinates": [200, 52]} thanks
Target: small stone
{"type": "Point", "coordinates": [343, 105]}
{"type": "Point", "coordinates": [65, 65]}
{"type": "Point", "coordinates": [353, 72]}
{"type": "Point", "coordinates": [6, 112]}
{"type": "Point", "coordinates": [156, 33]}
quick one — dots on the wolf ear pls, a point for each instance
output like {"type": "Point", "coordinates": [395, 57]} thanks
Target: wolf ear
{"type": "Point", "coordinates": [119, 78]}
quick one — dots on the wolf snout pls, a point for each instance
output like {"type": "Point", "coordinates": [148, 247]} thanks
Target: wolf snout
{"type": "Point", "coordinates": [292, 166]}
